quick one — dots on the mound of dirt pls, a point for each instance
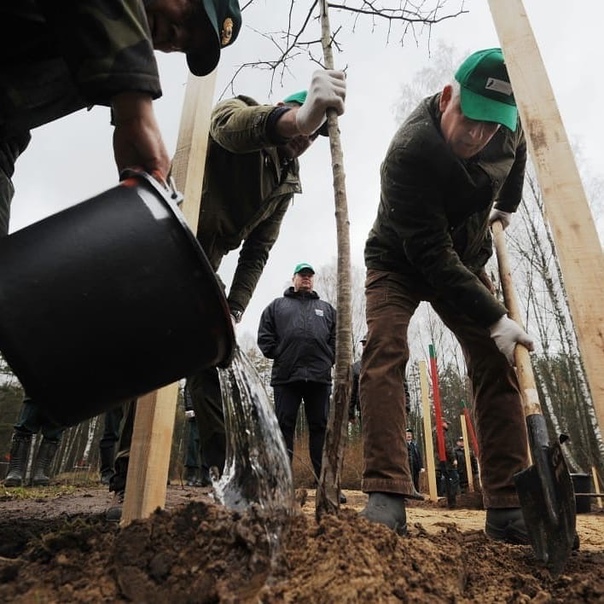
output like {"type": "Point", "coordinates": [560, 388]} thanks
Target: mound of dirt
{"type": "Point", "coordinates": [200, 552]}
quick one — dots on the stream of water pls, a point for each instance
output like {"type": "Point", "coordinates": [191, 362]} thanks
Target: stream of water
{"type": "Point", "coordinates": [257, 470]}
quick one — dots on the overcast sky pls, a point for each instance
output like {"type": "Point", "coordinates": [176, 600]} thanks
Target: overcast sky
{"type": "Point", "coordinates": [71, 160]}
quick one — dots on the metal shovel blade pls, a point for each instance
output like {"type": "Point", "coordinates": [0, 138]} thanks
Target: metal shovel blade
{"type": "Point", "coordinates": [547, 498]}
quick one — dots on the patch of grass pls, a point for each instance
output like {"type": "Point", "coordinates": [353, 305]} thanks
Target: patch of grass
{"type": "Point", "coordinates": [352, 467]}
{"type": "Point", "coordinates": [25, 493]}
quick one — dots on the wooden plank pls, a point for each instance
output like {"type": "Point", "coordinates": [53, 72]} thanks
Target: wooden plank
{"type": "Point", "coordinates": [578, 246]}
{"type": "Point", "coordinates": [466, 452]}
{"type": "Point", "coordinates": [597, 489]}
{"type": "Point", "coordinates": [430, 466]}
{"type": "Point", "coordinates": [154, 420]}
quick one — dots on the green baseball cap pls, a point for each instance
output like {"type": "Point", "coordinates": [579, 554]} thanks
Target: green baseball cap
{"type": "Point", "coordinates": [300, 98]}
{"type": "Point", "coordinates": [297, 97]}
{"type": "Point", "coordinates": [485, 91]}
{"type": "Point", "coordinates": [303, 266]}
{"type": "Point", "coordinates": [225, 18]}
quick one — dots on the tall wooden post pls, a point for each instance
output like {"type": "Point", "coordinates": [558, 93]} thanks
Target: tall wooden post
{"type": "Point", "coordinates": [430, 465]}
{"type": "Point", "coordinates": [466, 452]}
{"type": "Point", "coordinates": [578, 247]}
{"type": "Point", "coordinates": [154, 420]}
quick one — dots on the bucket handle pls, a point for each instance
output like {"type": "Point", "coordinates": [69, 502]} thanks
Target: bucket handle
{"type": "Point", "coordinates": [167, 189]}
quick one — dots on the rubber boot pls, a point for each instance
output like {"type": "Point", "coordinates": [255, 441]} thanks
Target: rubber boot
{"type": "Point", "coordinates": [106, 470]}
{"type": "Point", "coordinates": [44, 459]}
{"type": "Point", "coordinates": [388, 509]}
{"type": "Point", "coordinates": [17, 466]}
{"type": "Point", "coordinates": [191, 476]}
{"type": "Point", "coordinates": [117, 484]}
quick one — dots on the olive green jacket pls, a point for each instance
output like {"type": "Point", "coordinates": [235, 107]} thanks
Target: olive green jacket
{"type": "Point", "coordinates": [246, 192]}
{"type": "Point", "coordinates": [58, 57]}
{"type": "Point", "coordinates": [432, 222]}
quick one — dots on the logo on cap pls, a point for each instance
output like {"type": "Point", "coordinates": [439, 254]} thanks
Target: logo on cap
{"type": "Point", "coordinates": [499, 86]}
{"type": "Point", "coordinates": [226, 33]}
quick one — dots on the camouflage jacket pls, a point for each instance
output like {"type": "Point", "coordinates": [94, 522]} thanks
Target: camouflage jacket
{"type": "Point", "coordinates": [58, 57]}
{"type": "Point", "coordinates": [432, 222]}
{"type": "Point", "coordinates": [246, 192]}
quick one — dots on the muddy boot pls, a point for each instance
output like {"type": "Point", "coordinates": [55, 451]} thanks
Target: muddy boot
{"type": "Point", "coordinates": [17, 466]}
{"type": "Point", "coordinates": [388, 509]}
{"type": "Point", "coordinates": [106, 469]}
{"type": "Point", "coordinates": [46, 454]}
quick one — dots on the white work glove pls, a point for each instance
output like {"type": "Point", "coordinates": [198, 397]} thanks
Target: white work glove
{"type": "Point", "coordinates": [327, 90]}
{"type": "Point", "coordinates": [189, 414]}
{"type": "Point", "coordinates": [504, 217]}
{"type": "Point", "coordinates": [507, 333]}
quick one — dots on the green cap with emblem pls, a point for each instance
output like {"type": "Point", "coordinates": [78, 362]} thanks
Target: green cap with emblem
{"type": "Point", "coordinates": [303, 266]}
{"type": "Point", "coordinates": [225, 18]}
{"type": "Point", "coordinates": [485, 91]}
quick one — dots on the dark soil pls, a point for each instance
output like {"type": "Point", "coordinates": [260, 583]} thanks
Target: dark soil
{"type": "Point", "coordinates": [61, 549]}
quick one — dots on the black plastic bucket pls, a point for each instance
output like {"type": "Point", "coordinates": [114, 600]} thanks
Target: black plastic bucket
{"type": "Point", "coordinates": [582, 484]}
{"type": "Point", "coordinates": [108, 300]}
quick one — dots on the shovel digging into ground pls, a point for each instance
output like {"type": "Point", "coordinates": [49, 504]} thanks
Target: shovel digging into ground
{"type": "Point", "coordinates": [545, 488]}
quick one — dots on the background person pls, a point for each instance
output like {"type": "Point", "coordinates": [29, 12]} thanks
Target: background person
{"type": "Point", "coordinates": [197, 473]}
{"type": "Point", "coordinates": [460, 455]}
{"type": "Point", "coordinates": [31, 421]}
{"type": "Point", "coordinates": [112, 420]}
{"type": "Point", "coordinates": [298, 331]}
{"type": "Point", "coordinates": [416, 462]}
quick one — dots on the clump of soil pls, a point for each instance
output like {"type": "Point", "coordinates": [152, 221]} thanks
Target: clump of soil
{"type": "Point", "coordinates": [201, 552]}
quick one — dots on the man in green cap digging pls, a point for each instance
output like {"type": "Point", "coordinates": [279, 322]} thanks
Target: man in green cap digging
{"type": "Point", "coordinates": [252, 173]}
{"type": "Point", "coordinates": [455, 165]}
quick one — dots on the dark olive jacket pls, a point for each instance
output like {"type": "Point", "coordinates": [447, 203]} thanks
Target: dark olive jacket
{"type": "Point", "coordinates": [247, 190]}
{"type": "Point", "coordinates": [432, 222]}
{"type": "Point", "coordinates": [58, 57]}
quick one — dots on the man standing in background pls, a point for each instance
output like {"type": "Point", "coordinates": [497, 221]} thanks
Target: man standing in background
{"type": "Point", "coordinates": [298, 331]}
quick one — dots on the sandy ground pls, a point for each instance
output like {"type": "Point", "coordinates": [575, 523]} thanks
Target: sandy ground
{"type": "Point", "coordinates": [58, 548]}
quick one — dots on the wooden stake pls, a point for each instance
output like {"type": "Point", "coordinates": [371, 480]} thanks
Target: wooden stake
{"type": "Point", "coordinates": [430, 466]}
{"type": "Point", "coordinates": [594, 475]}
{"type": "Point", "coordinates": [154, 420]}
{"type": "Point", "coordinates": [567, 211]}
{"type": "Point", "coordinates": [466, 453]}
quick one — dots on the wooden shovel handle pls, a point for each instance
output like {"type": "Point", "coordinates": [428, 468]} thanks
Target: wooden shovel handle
{"type": "Point", "coordinates": [524, 369]}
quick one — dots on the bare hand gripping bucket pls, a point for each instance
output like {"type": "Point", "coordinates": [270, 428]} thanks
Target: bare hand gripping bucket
{"type": "Point", "coordinates": [108, 300]}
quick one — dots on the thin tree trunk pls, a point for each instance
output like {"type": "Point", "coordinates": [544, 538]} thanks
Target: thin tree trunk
{"type": "Point", "coordinates": [327, 500]}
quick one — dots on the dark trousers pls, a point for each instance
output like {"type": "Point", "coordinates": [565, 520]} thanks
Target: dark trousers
{"type": "Point", "coordinates": [316, 403]}
{"type": "Point", "coordinates": [204, 387]}
{"type": "Point", "coordinates": [118, 480]}
{"type": "Point", "coordinates": [31, 421]}
{"type": "Point", "coordinates": [192, 452]}
{"type": "Point", "coordinates": [496, 405]}
{"type": "Point", "coordinates": [111, 430]}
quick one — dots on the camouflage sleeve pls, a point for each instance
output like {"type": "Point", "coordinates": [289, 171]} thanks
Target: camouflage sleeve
{"type": "Point", "coordinates": [107, 46]}
{"type": "Point", "coordinates": [253, 256]}
{"type": "Point", "coordinates": [240, 125]}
